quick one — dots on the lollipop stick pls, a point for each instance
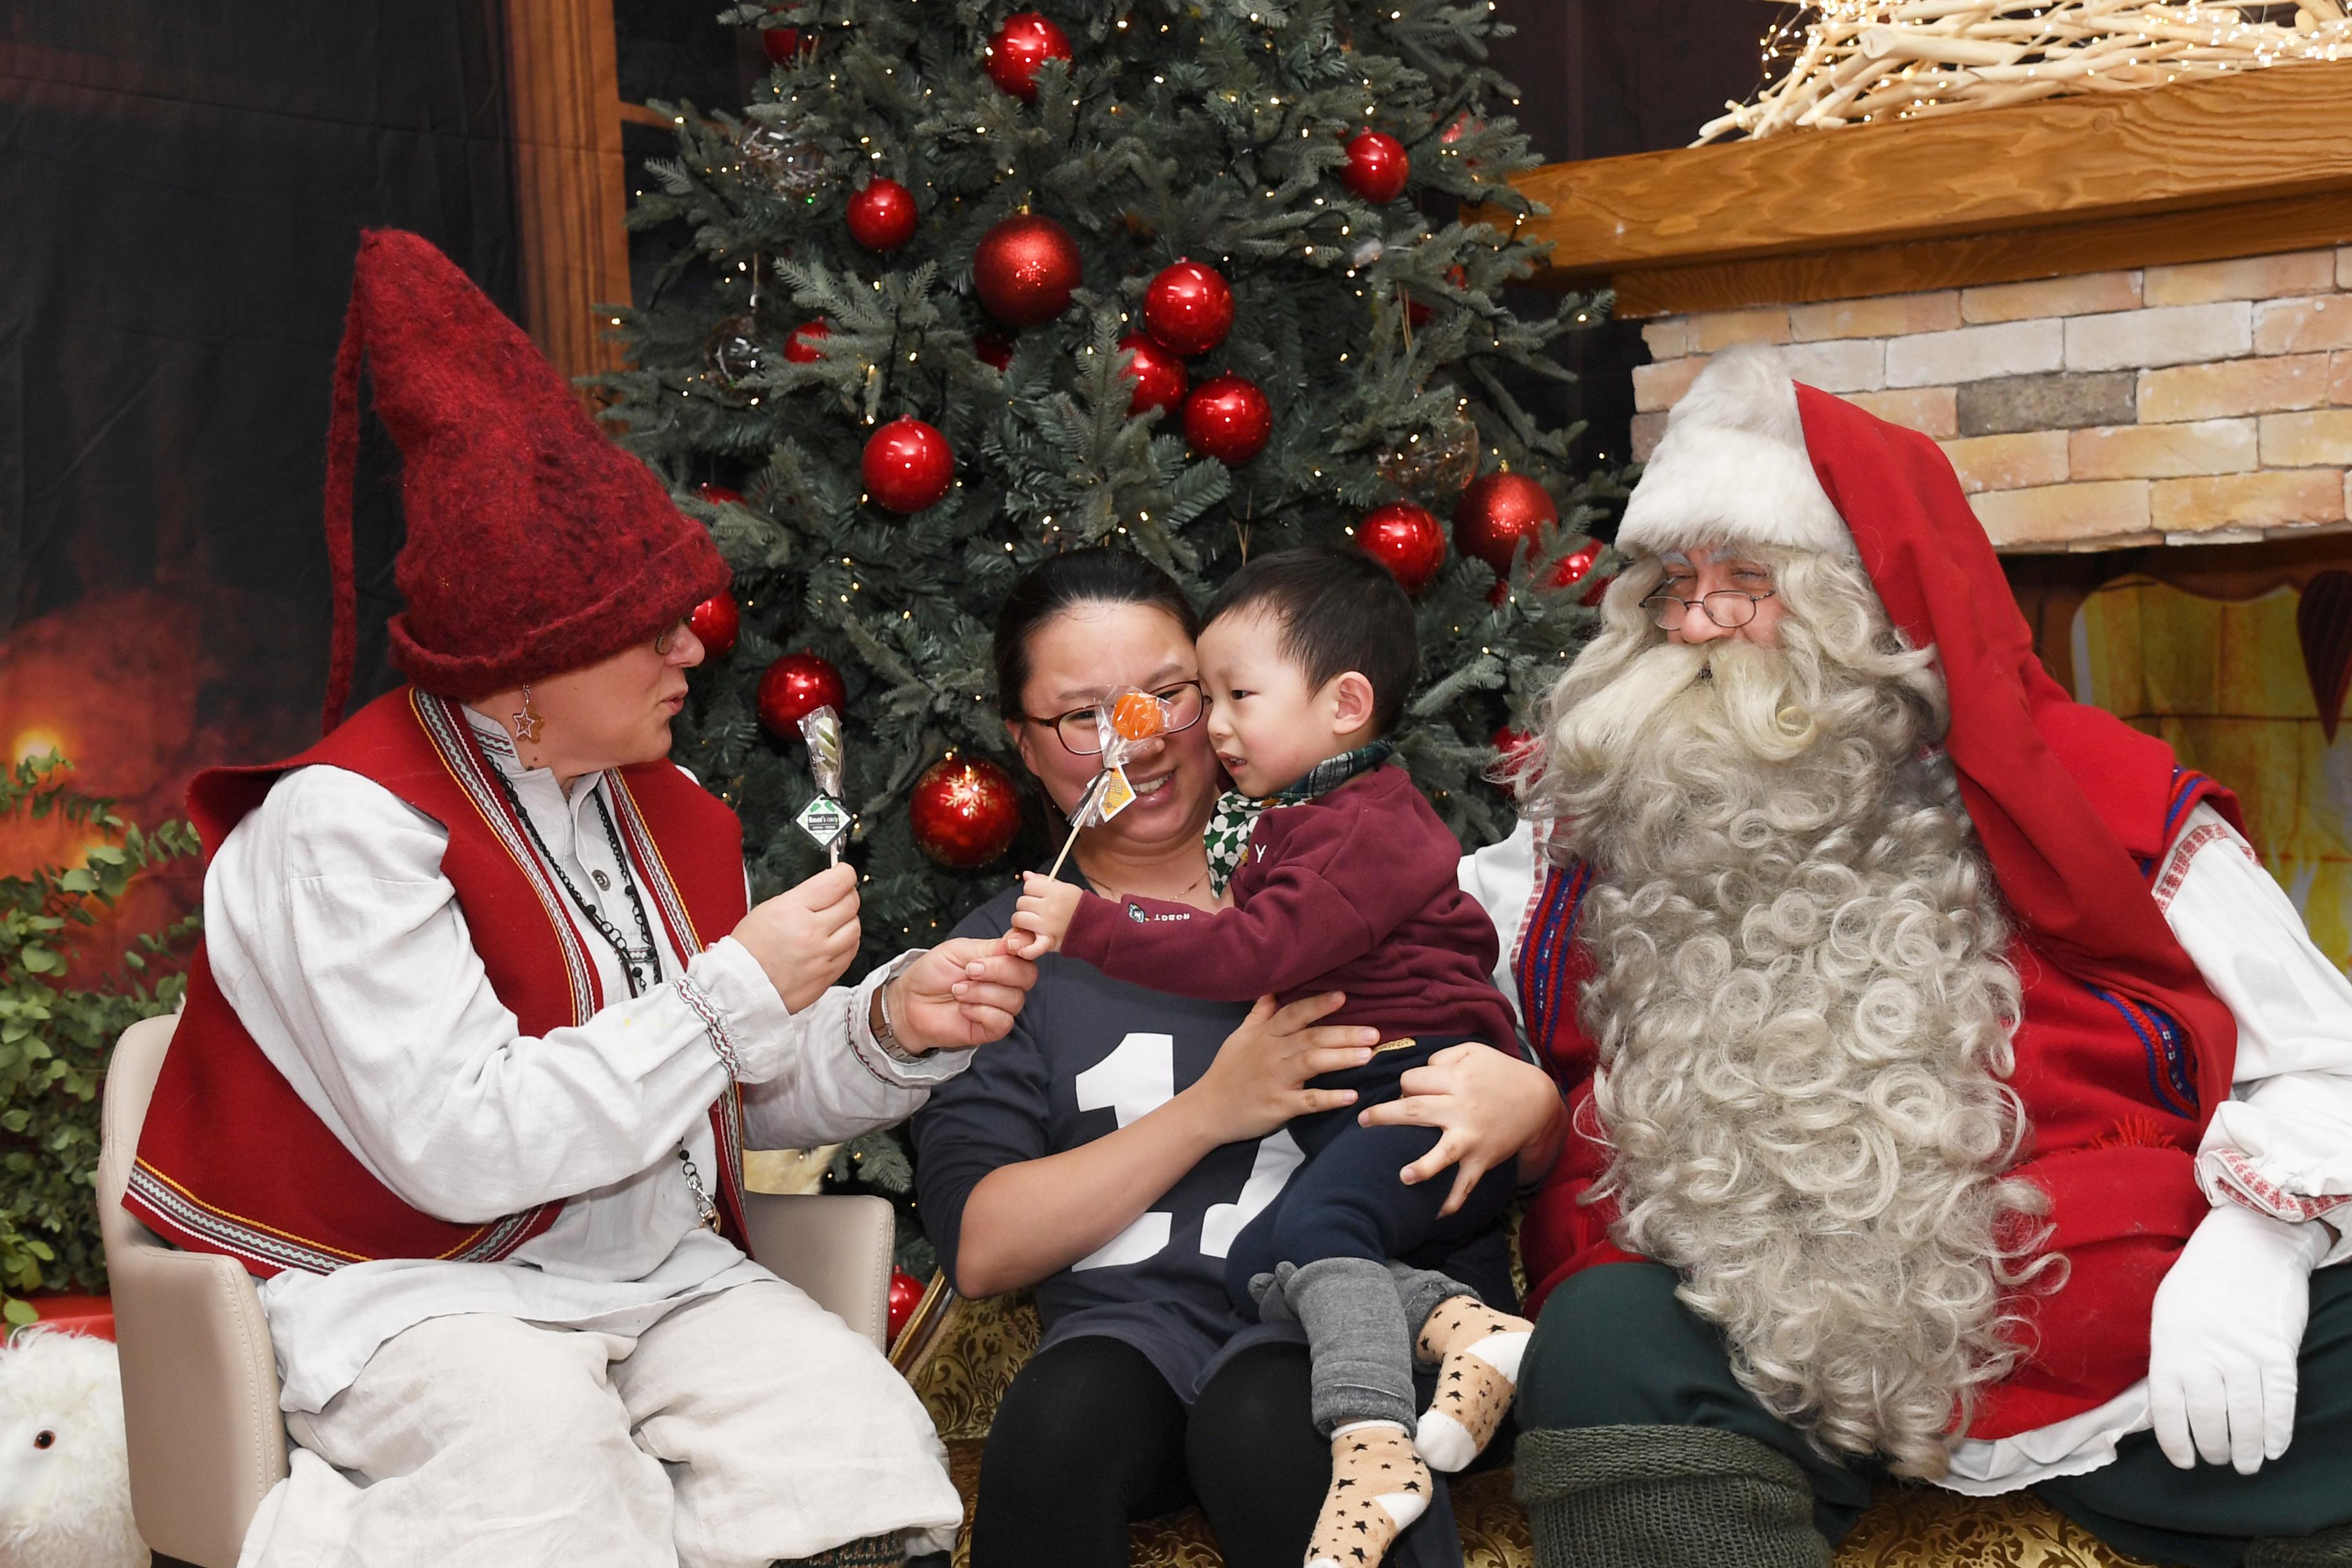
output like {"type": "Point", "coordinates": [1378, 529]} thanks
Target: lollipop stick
{"type": "Point", "coordinates": [1079, 816]}
{"type": "Point", "coordinates": [1068, 843]}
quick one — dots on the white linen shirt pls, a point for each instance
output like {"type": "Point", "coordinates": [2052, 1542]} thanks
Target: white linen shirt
{"type": "Point", "coordinates": [340, 945]}
{"type": "Point", "coordinates": [2281, 1144]}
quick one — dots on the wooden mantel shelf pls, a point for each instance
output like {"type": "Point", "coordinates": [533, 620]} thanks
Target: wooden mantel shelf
{"type": "Point", "coordinates": [2231, 165]}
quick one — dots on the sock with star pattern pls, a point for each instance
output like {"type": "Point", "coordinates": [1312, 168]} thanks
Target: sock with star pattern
{"type": "Point", "coordinates": [1379, 1486]}
{"type": "Point", "coordinates": [1477, 1352]}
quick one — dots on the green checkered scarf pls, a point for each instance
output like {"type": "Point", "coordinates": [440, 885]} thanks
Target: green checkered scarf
{"type": "Point", "coordinates": [1235, 818]}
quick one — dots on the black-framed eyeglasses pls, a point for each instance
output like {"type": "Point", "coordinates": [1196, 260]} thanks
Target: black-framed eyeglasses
{"type": "Point", "coordinates": [1080, 729]}
{"type": "Point", "coordinates": [1730, 609]}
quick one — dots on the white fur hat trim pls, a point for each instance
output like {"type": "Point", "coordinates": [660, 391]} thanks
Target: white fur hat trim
{"type": "Point", "coordinates": [1732, 468]}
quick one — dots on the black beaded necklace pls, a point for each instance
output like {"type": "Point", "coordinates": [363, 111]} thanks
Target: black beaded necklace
{"type": "Point", "coordinates": [630, 958]}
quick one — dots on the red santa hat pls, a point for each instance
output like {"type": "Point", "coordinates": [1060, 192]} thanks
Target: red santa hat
{"type": "Point", "coordinates": [534, 545]}
{"type": "Point", "coordinates": [2068, 800]}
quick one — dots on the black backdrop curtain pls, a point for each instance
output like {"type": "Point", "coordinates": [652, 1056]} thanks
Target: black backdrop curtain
{"type": "Point", "coordinates": [182, 189]}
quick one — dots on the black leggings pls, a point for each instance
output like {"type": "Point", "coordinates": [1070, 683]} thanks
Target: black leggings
{"type": "Point", "coordinates": [1090, 1437]}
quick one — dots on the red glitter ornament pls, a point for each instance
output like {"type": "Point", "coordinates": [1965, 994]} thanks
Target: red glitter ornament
{"type": "Point", "coordinates": [714, 623]}
{"type": "Point", "coordinates": [1024, 43]}
{"type": "Point", "coordinates": [1498, 514]}
{"type": "Point", "coordinates": [1024, 270]}
{"type": "Point", "coordinates": [1190, 308]}
{"type": "Point", "coordinates": [1376, 168]}
{"type": "Point", "coordinates": [882, 216]}
{"type": "Point", "coordinates": [1229, 419]}
{"type": "Point", "coordinates": [1159, 375]}
{"type": "Point", "coordinates": [993, 350]}
{"type": "Point", "coordinates": [906, 1295]}
{"type": "Point", "coordinates": [795, 686]}
{"type": "Point", "coordinates": [1406, 539]}
{"type": "Point", "coordinates": [964, 812]}
{"type": "Point", "coordinates": [907, 465]}
{"type": "Point", "coordinates": [800, 343]}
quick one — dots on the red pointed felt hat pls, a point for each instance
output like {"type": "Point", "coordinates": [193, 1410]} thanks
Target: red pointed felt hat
{"type": "Point", "coordinates": [534, 545]}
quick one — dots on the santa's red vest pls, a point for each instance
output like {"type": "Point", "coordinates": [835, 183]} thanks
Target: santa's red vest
{"type": "Point", "coordinates": [2116, 1089]}
{"type": "Point", "coordinates": [232, 1160]}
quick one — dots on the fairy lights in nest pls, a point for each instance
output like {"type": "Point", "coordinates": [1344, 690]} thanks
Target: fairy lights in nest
{"type": "Point", "coordinates": [1853, 62]}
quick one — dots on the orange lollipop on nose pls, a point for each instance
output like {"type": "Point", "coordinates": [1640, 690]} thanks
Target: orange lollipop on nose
{"type": "Point", "coordinates": [1138, 717]}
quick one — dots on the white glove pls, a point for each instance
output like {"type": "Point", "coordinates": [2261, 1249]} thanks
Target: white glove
{"type": "Point", "coordinates": [2225, 1338]}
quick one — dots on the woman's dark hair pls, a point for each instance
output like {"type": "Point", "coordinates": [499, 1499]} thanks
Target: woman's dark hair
{"type": "Point", "coordinates": [1096, 576]}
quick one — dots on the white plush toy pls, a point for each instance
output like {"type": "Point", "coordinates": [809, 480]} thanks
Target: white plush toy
{"type": "Point", "coordinates": [65, 1482]}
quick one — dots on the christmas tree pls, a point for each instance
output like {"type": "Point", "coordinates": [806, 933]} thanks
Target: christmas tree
{"type": "Point", "coordinates": [965, 288]}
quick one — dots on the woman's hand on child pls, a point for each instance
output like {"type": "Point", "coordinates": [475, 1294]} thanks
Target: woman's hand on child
{"type": "Point", "coordinates": [1258, 1080]}
{"type": "Point", "coordinates": [1041, 918]}
{"type": "Point", "coordinates": [805, 936]}
{"type": "Point", "coordinates": [1488, 1107]}
{"type": "Point", "coordinates": [965, 991]}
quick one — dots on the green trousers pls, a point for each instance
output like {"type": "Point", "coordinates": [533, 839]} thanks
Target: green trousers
{"type": "Point", "coordinates": [1614, 1347]}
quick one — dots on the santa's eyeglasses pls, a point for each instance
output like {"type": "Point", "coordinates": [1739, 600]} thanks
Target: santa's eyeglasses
{"type": "Point", "coordinates": [1730, 609]}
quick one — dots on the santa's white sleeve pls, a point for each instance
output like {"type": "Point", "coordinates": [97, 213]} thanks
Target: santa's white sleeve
{"type": "Point", "coordinates": [1502, 878]}
{"type": "Point", "coordinates": [2282, 1143]}
{"type": "Point", "coordinates": [842, 1082]}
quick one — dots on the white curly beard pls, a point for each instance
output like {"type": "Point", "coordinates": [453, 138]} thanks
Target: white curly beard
{"type": "Point", "coordinates": [1802, 1011]}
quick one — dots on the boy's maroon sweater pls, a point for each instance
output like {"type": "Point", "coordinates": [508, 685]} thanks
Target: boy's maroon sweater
{"type": "Point", "coordinates": [1354, 891]}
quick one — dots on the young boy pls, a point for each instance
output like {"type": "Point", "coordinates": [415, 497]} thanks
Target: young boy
{"type": "Point", "coordinates": [1345, 881]}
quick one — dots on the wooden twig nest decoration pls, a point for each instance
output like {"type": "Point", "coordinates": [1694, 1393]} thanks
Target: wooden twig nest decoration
{"type": "Point", "coordinates": [1852, 61]}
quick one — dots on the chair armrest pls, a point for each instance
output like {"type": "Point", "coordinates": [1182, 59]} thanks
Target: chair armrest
{"type": "Point", "coordinates": [199, 1396]}
{"type": "Point", "coordinates": [835, 1247]}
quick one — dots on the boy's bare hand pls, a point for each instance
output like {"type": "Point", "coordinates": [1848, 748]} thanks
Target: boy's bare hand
{"type": "Point", "coordinates": [1041, 918]}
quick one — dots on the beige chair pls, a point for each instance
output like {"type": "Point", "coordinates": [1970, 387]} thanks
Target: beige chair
{"type": "Point", "coordinates": [200, 1384]}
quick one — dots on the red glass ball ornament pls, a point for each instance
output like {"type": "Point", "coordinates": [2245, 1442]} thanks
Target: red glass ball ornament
{"type": "Point", "coordinates": [1159, 375]}
{"type": "Point", "coordinates": [882, 216]}
{"type": "Point", "coordinates": [1024, 43]}
{"type": "Point", "coordinates": [795, 686]}
{"type": "Point", "coordinates": [800, 343]}
{"type": "Point", "coordinates": [714, 623]}
{"type": "Point", "coordinates": [1499, 513]}
{"type": "Point", "coordinates": [784, 45]}
{"type": "Point", "coordinates": [906, 1295]}
{"type": "Point", "coordinates": [715, 494]}
{"type": "Point", "coordinates": [1513, 748]}
{"type": "Point", "coordinates": [993, 350]}
{"type": "Point", "coordinates": [1190, 308]}
{"type": "Point", "coordinates": [1024, 269]}
{"type": "Point", "coordinates": [964, 812]}
{"type": "Point", "coordinates": [1376, 168]}
{"type": "Point", "coordinates": [907, 465]}
{"type": "Point", "coordinates": [1573, 566]}
{"type": "Point", "coordinates": [1229, 419]}
{"type": "Point", "coordinates": [1406, 539]}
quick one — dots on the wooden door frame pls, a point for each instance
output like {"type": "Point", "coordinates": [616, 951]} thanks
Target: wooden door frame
{"type": "Point", "coordinates": [570, 186]}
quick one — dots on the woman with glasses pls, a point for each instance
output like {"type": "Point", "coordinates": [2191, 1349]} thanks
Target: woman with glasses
{"type": "Point", "coordinates": [1108, 1149]}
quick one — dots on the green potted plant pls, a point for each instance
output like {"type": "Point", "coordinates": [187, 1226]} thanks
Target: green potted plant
{"type": "Point", "coordinates": [56, 1038]}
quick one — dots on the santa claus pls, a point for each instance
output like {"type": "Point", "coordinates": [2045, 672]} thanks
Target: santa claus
{"type": "Point", "coordinates": [1951, 1092]}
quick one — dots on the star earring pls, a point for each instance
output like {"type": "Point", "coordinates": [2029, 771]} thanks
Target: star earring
{"type": "Point", "coordinates": [528, 721]}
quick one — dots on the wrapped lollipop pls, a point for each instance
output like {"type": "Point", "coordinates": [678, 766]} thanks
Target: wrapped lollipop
{"type": "Point", "coordinates": [825, 818]}
{"type": "Point", "coordinates": [1124, 721]}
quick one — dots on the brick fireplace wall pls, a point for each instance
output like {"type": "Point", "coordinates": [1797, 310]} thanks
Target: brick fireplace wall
{"type": "Point", "coordinates": [2207, 403]}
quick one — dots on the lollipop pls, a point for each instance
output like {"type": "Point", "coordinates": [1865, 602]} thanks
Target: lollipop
{"type": "Point", "coordinates": [825, 819]}
{"type": "Point", "coordinates": [1123, 721]}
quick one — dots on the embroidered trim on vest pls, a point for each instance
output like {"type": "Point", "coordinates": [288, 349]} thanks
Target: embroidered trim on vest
{"type": "Point", "coordinates": [461, 753]}
{"type": "Point", "coordinates": [1545, 945]}
{"type": "Point", "coordinates": [639, 840]}
{"type": "Point", "coordinates": [2171, 1076]}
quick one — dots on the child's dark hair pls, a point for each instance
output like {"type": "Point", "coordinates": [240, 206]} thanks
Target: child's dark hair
{"type": "Point", "coordinates": [1339, 610]}
{"type": "Point", "coordinates": [1095, 575]}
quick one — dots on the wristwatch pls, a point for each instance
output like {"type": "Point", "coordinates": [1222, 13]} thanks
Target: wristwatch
{"type": "Point", "coordinates": [885, 1030]}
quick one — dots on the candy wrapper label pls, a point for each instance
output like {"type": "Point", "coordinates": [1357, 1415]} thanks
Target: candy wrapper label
{"type": "Point", "coordinates": [825, 819]}
{"type": "Point", "coordinates": [1118, 794]}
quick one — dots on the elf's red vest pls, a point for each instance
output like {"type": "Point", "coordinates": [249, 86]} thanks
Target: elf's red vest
{"type": "Point", "coordinates": [232, 1160]}
{"type": "Point", "coordinates": [2118, 1089]}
